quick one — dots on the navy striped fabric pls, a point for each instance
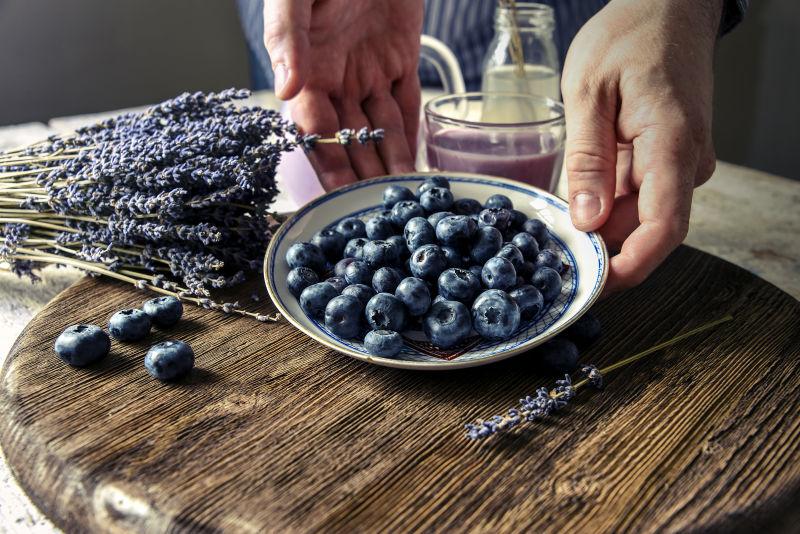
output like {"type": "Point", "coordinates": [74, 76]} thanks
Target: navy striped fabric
{"type": "Point", "coordinates": [466, 26]}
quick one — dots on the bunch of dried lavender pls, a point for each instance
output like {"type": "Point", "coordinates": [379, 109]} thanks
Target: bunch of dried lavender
{"type": "Point", "coordinates": [545, 403]}
{"type": "Point", "coordinates": [175, 199]}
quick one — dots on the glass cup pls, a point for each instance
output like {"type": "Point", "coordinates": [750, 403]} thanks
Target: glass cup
{"type": "Point", "coordinates": [515, 136]}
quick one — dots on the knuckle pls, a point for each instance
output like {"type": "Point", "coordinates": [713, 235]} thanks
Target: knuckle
{"type": "Point", "coordinates": [585, 158]}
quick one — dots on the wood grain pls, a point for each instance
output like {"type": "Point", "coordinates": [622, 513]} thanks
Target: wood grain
{"type": "Point", "coordinates": [274, 432]}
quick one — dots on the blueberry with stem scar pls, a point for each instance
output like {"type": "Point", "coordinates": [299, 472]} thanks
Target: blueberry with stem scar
{"type": "Point", "coordinates": [82, 344]}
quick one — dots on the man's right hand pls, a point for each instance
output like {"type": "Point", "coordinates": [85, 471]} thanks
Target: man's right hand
{"type": "Point", "coordinates": [349, 64]}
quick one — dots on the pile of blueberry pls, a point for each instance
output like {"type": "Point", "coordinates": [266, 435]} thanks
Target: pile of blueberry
{"type": "Point", "coordinates": [450, 266]}
{"type": "Point", "coordinates": [82, 344]}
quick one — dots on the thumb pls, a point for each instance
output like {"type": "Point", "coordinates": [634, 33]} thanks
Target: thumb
{"type": "Point", "coordinates": [591, 155]}
{"type": "Point", "coordinates": [286, 24]}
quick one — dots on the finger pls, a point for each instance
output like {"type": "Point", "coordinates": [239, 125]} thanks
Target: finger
{"type": "Point", "coordinates": [363, 158]}
{"type": "Point", "coordinates": [406, 92]}
{"type": "Point", "coordinates": [667, 166]}
{"type": "Point", "coordinates": [384, 112]}
{"type": "Point", "coordinates": [591, 153]}
{"type": "Point", "coordinates": [313, 112]}
{"type": "Point", "coordinates": [624, 170]}
{"type": "Point", "coordinates": [623, 221]}
{"type": "Point", "coordinates": [286, 25]}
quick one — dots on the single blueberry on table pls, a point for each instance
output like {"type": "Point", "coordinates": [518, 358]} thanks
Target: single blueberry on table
{"type": "Point", "coordinates": [459, 284]}
{"type": "Point", "coordinates": [337, 282]}
{"type": "Point", "coordinates": [396, 193]}
{"type": "Point", "coordinates": [384, 311]}
{"type": "Point", "coordinates": [467, 206]}
{"type": "Point", "coordinates": [530, 301]}
{"type": "Point", "coordinates": [404, 211]}
{"type": "Point", "coordinates": [399, 244]}
{"type": "Point", "coordinates": [538, 230]}
{"type": "Point", "coordinates": [454, 257]}
{"type": "Point", "coordinates": [360, 291]}
{"type": "Point", "coordinates": [418, 232]}
{"type": "Point", "coordinates": [428, 262]}
{"type": "Point", "coordinates": [300, 278]}
{"type": "Point", "coordinates": [485, 244]}
{"type": "Point", "coordinates": [498, 201]}
{"type": "Point", "coordinates": [456, 231]}
{"type": "Point", "coordinates": [548, 282]}
{"type": "Point", "coordinates": [305, 255]}
{"type": "Point", "coordinates": [167, 310]}
{"type": "Point", "coordinates": [498, 273]}
{"type": "Point", "coordinates": [129, 325]}
{"type": "Point", "coordinates": [355, 248]}
{"type": "Point", "coordinates": [82, 344]}
{"type": "Point", "coordinates": [415, 295]}
{"type": "Point", "coordinates": [381, 253]}
{"type": "Point", "coordinates": [386, 279]}
{"type": "Point", "coordinates": [339, 268]}
{"type": "Point", "coordinates": [549, 258]}
{"type": "Point", "coordinates": [434, 218]}
{"type": "Point", "coordinates": [559, 355]}
{"type": "Point", "coordinates": [351, 228]}
{"type": "Point", "coordinates": [169, 360]}
{"type": "Point", "coordinates": [526, 244]}
{"type": "Point", "coordinates": [386, 343]}
{"type": "Point", "coordinates": [495, 315]}
{"type": "Point", "coordinates": [512, 254]}
{"type": "Point", "coordinates": [495, 217]}
{"type": "Point", "coordinates": [517, 220]}
{"type": "Point", "coordinates": [359, 272]}
{"type": "Point", "coordinates": [330, 242]}
{"type": "Point", "coordinates": [447, 323]}
{"type": "Point", "coordinates": [343, 316]}
{"type": "Point", "coordinates": [380, 227]}
{"type": "Point", "coordinates": [585, 331]}
{"type": "Point", "coordinates": [315, 298]}
{"type": "Point", "coordinates": [436, 199]}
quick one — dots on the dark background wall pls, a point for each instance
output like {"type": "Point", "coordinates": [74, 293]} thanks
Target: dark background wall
{"type": "Point", "coordinates": [67, 57]}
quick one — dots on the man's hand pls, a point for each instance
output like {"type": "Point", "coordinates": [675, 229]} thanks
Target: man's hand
{"type": "Point", "coordinates": [348, 64]}
{"type": "Point", "coordinates": [637, 89]}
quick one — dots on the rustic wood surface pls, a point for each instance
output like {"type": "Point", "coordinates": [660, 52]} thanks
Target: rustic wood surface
{"type": "Point", "coordinates": [275, 432]}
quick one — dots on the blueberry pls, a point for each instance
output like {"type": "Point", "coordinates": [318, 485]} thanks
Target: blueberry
{"type": "Point", "coordinates": [330, 242]}
{"type": "Point", "coordinates": [360, 291]}
{"type": "Point", "coordinates": [355, 248]}
{"type": "Point", "coordinates": [498, 273]}
{"type": "Point", "coordinates": [436, 199]}
{"type": "Point", "coordinates": [300, 278]}
{"type": "Point", "coordinates": [526, 270]}
{"type": "Point", "coordinates": [351, 228]}
{"type": "Point", "coordinates": [169, 359]}
{"type": "Point", "coordinates": [404, 211]}
{"type": "Point", "coordinates": [454, 257]}
{"type": "Point", "coordinates": [585, 331]}
{"type": "Point", "coordinates": [418, 232]}
{"type": "Point", "coordinates": [538, 230]}
{"type": "Point", "coordinates": [512, 254]}
{"type": "Point", "coordinates": [529, 300]}
{"type": "Point", "coordinates": [359, 272]}
{"type": "Point", "coordinates": [456, 231]}
{"type": "Point", "coordinates": [485, 244]}
{"type": "Point", "coordinates": [129, 325]}
{"type": "Point", "coordinates": [517, 220]}
{"type": "Point", "coordinates": [305, 255]}
{"type": "Point", "coordinates": [495, 217]}
{"type": "Point", "coordinates": [338, 282]}
{"type": "Point", "coordinates": [559, 355]}
{"type": "Point", "coordinates": [476, 270]}
{"type": "Point", "coordinates": [447, 323]}
{"type": "Point", "coordinates": [495, 315]}
{"type": "Point", "coordinates": [549, 258]}
{"type": "Point", "coordinates": [380, 253]}
{"type": "Point", "coordinates": [499, 201]}
{"type": "Point", "coordinates": [430, 183]}
{"type": "Point", "coordinates": [386, 279]}
{"type": "Point", "coordinates": [82, 344]}
{"type": "Point", "coordinates": [467, 206]}
{"type": "Point", "coordinates": [314, 298]}
{"type": "Point", "coordinates": [341, 265]}
{"type": "Point", "coordinates": [396, 193]}
{"type": "Point", "coordinates": [428, 262]}
{"type": "Point", "coordinates": [548, 282]}
{"type": "Point", "coordinates": [519, 283]}
{"type": "Point", "coordinates": [343, 316]}
{"type": "Point", "coordinates": [526, 244]}
{"type": "Point", "coordinates": [380, 227]}
{"type": "Point", "coordinates": [399, 244]}
{"type": "Point", "coordinates": [434, 218]}
{"type": "Point", "coordinates": [414, 293]}
{"type": "Point", "coordinates": [438, 298]}
{"type": "Point", "coordinates": [385, 312]}
{"type": "Point", "coordinates": [166, 311]}
{"type": "Point", "coordinates": [459, 284]}
{"type": "Point", "coordinates": [386, 343]}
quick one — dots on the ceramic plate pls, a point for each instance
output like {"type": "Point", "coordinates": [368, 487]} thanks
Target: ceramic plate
{"type": "Point", "coordinates": [584, 255]}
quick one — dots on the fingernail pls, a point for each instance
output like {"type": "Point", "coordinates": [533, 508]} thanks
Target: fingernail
{"type": "Point", "coordinates": [585, 207]}
{"type": "Point", "coordinates": [281, 75]}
